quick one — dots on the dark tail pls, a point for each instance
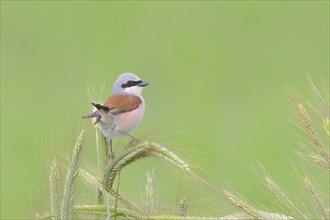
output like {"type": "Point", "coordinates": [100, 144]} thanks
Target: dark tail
{"type": "Point", "coordinates": [92, 115]}
{"type": "Point", "coordinates": [96, 114]}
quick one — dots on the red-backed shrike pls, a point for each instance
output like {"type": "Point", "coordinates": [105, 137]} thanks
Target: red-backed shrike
{"type": "Point", "coordinates": [124, 109]}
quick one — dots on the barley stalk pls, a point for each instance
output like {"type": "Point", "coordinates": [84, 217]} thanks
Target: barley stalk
{"type": "Point", "coordinates": [326, 125]}
{"type": "Point", "coordinates": [94, 181]}
{"type": "Point", "coordinates": [99, 200]}
{"type": "Point", "coordinates": [103, 209]}
{"type": "Point", "coordinates": [236, 216]}
{"type": "Point", "coordinates": [175, 217]}
{"type": "Point", "coordinates": [274, 216]}
{"type": "Point", "coordinates": [96, 209]}
{"type": "Point", "coordinates": [99, 194]}
{"type": "Point", "coordinates": [265, 215]}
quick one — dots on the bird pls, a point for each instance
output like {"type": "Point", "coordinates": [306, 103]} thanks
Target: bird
{"type": "Point", "coordinates": [124, 109]}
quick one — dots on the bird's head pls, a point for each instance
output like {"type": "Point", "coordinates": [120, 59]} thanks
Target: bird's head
{"type": "Point", "coordinates": [128, 83]}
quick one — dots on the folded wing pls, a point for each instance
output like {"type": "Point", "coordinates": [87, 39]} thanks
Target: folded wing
{"type": "Point", "coordinates": [118, 104]}
{"type": "Point", "coordinates": [115, 105]}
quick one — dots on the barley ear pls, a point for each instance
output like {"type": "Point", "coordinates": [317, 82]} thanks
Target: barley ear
{"type": "Point", "coordinates": [312, 133]}
{"type": "Point", "coordinates": [183, 207]}
{"type": "Point", "coordinates": [315, 198]}
{"type": "Point", "coordinates": [126, 157]}
{"type": "Point", "coordinates": [163, 152]}
{"type": "Point", "coordinates": [54, 186]}
{"type": "Point", "coordinates": [69, 185]}
{"type": "Point", "coordinates": [240, 203]}
{"type": "Point", "coordinates": [149, 192]}
{"type": "Point", "coordinates": [274, 188]}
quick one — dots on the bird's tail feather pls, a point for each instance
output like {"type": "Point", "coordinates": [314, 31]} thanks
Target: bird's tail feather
{"type": "Point", "coordinates": [101, 114]}
{"type": "Point", "coordinates": [92, 115]}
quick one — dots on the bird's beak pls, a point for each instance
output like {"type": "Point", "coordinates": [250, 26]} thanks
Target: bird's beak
{"type": "Point", "coordinates": [143, 84]}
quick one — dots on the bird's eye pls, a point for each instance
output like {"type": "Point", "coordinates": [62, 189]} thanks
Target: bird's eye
{"type": "Point", "coordinates": [130, 83]}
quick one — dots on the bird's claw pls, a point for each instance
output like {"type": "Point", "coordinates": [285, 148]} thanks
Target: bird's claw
{"type": "Point", "coordinates": [134, 142]}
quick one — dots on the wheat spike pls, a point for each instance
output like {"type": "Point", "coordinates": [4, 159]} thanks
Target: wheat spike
{"type": "Point", "coordinates": [319, 160]}
{"type": "Point", "coordinates": [134, 153]}
{"type": "Point", "coordinates": [168, 155]}
{"type": "Point", "coordinates": [69, 186]}
{"type": "Point", "coordinates": [283, 199]}
{"type": "Point", "coordinates": [149, 191]}
{"type": "Point", "coordinates": [183, 207]}
{"type": "Point", "coordinates": [54, 186]}
{"type": "Point", "coordinates": [310, 130]}
{"type": "Point", "coordinates": [238, 202]}
{"type": "Point", "coordinates": [126, 157]}
{"type": "Point", "coordinates": [314, 195]}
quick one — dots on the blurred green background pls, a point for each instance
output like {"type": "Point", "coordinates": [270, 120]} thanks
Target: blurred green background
{"type": "Point", "coordinates": [218, 73]}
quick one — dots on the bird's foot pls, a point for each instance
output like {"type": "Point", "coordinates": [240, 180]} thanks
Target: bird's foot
{"type": "Point", "coordinates": [111, 156]}
{"type": "Point", "coordinates": [134, 142]}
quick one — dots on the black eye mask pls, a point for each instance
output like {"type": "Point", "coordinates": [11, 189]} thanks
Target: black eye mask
{"type": "Point", "coordinates": [131, 83]}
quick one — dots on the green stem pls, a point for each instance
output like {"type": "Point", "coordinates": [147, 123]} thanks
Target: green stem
{"type": "Point", "coordinates": [98, 190]}
{"type": "Point", "coordinates": [107, 195]}
{"type": "Point", "coordinates": [116, 203]}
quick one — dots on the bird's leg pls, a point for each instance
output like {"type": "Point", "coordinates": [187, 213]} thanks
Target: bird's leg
{"type": "Point", "coordinates": [110, 149]}
{"type": "Point", "coordinates": [134, 140]}
{"type": "Point", "coordinates": [131, 136]}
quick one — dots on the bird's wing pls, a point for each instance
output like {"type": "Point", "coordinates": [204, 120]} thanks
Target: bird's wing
{"type": "Point", "coordinates": [115, 105]}
{"type": "Point", "coordinates": [118, 104]}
